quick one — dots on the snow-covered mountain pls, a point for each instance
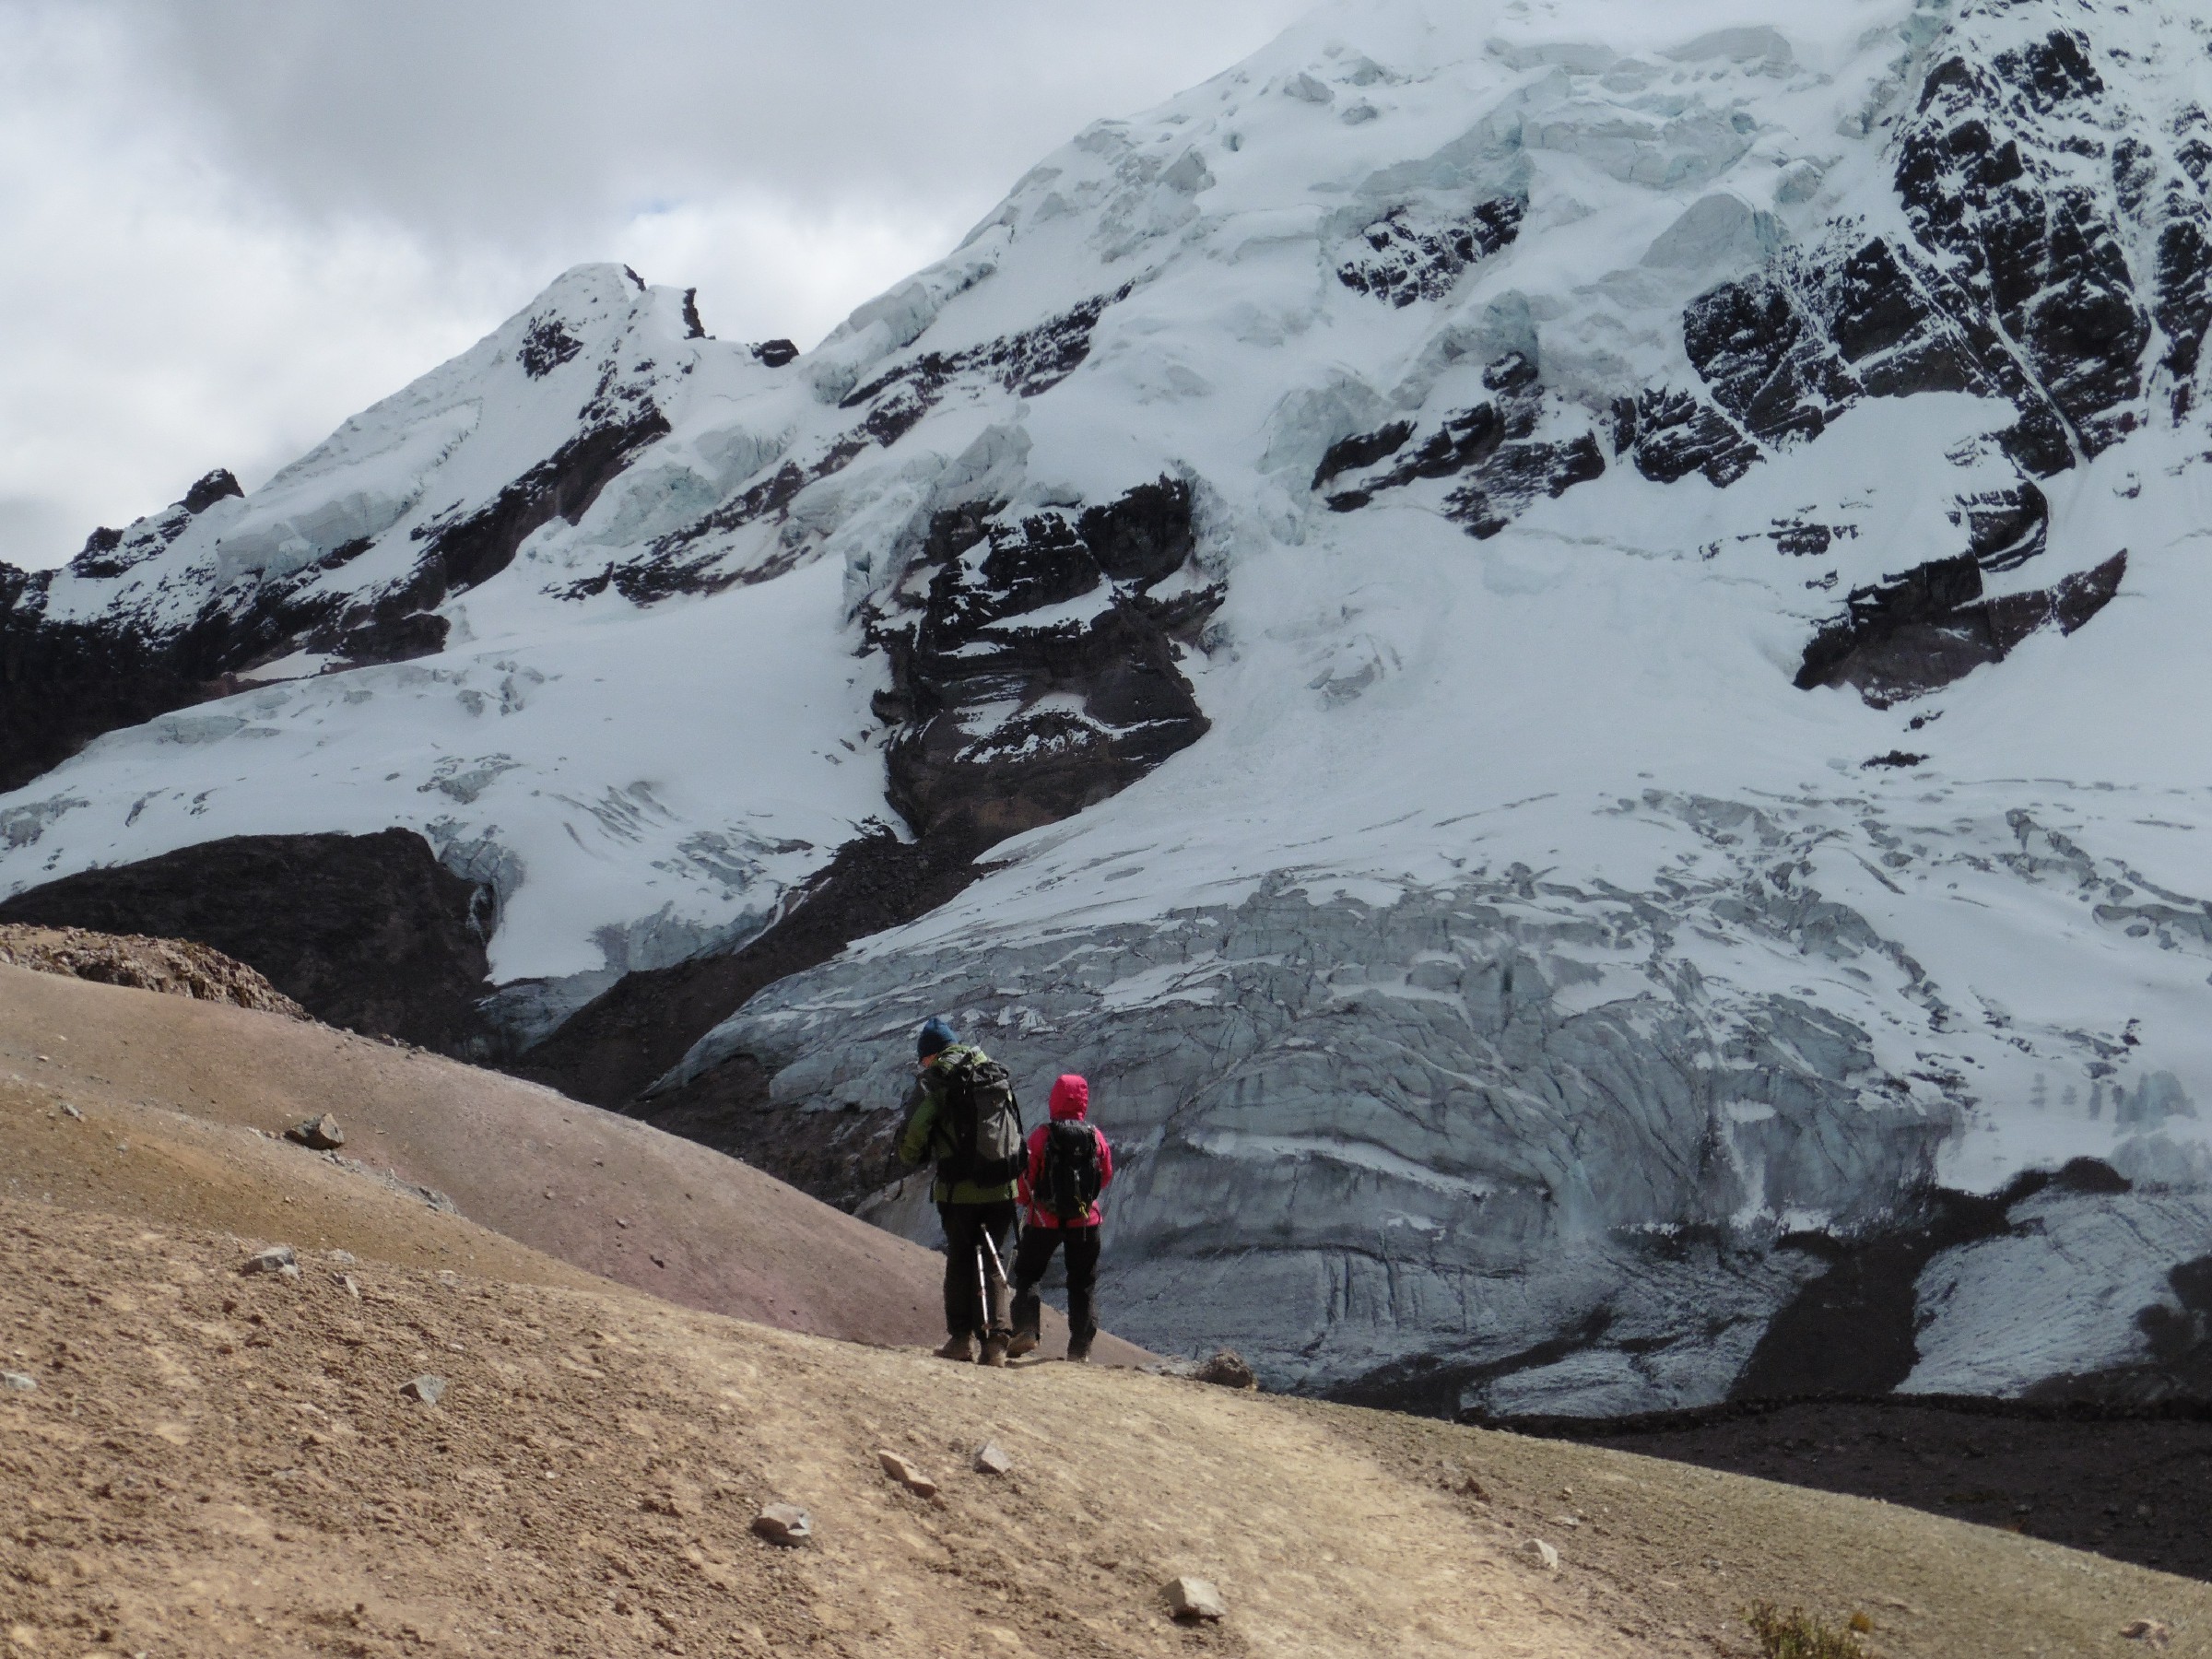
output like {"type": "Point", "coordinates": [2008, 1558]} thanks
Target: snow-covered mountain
{"type": "Point", "coordinates": [1573, 629]}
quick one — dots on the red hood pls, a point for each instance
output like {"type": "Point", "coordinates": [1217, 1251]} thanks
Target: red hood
{"type": "Point", "coordinates": [1071, 1098]}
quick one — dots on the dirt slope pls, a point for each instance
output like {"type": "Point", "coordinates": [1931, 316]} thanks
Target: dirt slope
{"type": "Point", "coordinates": [216, 1464]}
{"type": "Point", "coordinates": [589, 1188]}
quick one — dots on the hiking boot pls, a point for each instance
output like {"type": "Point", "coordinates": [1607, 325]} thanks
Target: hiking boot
{"type": "Point", "coordinates": [1023, 1342]}
{"type": "Point", "coordinates": [959, 1348]}
{"type": "Point", "coordinates": [995, 1350]}
{"type": "Point", "coordinates": [1078, 1349]}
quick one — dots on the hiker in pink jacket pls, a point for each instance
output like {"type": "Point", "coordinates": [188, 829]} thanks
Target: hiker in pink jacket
{"type": "Point", "coordinates": [1069, 1165]}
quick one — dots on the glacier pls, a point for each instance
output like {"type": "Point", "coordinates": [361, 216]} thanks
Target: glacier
{"type": "Point", "coordinates": [1559, 637]}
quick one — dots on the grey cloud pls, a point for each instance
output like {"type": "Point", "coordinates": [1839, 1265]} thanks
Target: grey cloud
{"type": "Point", "coordinates": [530, 123]}
{"type": "Point", "coordinates": [232, 224]}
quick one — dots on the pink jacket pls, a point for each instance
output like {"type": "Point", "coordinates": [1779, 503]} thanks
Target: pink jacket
{"type": "Point", "coordinates": [1071, 1101]}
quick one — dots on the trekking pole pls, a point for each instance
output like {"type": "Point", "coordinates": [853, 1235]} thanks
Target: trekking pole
{"type": "Point", "coordinates": [991, 1251]}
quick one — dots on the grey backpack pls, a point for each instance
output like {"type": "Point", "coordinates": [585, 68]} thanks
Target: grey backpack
{"type": "Point", "coordinates": [982, 1118]}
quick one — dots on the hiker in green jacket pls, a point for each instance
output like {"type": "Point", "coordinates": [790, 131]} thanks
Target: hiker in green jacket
{"type": "Point", "coordinates": [962, 1116]}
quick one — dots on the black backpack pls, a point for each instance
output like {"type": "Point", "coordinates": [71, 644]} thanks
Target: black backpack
{"type": "Point", "coordinates": [983, 1119]}
{"type": "Point", "coordinates": [1072, 1178]}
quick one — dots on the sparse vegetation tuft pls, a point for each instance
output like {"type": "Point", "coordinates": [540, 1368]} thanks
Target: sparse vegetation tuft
{"type": "Point", "coordinates": [1797, 1635]}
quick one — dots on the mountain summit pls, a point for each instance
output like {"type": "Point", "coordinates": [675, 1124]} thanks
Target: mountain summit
{"type": "Point", "coordinates": [1566, 626]}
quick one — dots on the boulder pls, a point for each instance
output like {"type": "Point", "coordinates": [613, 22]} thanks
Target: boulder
{"type": "Point", "coordinates": [1539, 1553]}
{"type": "Point", "coordinates": [1227, 1369]}
{"type": "Point", "coordinates": [276, 1258]}
{"type": "Point", "coordinates": [783, 1523]}
{"type": "Point", "coordinates": [1193, 1600]}
{"type": "Point", "coordinates": [427, 1389]}
{"type": "Point", "coordinates": [318, 1134]}
{"type": "Point", "coordinates": [990, 1459]}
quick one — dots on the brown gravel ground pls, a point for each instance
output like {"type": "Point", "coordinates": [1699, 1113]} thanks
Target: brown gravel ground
{"type": "Point", "coordinates": [214, 1463]}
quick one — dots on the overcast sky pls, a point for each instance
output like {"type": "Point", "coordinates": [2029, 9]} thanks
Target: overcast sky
{"type": "Point", "coordinates": [229, 224]}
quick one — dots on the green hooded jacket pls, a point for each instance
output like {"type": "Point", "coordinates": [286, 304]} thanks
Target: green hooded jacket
{"type": "Point", "coordinates": [927, 1138]}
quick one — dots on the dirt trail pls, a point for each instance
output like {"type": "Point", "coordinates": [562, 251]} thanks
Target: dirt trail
{"type": "Point", "coordinates": [216, 1464]}
{"type": "Point", "coordinates": [603, 1193]}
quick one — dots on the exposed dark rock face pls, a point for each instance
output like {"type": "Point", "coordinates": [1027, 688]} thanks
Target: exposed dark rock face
{"type": "Point", "coordinates": [775, 354]}
{"type": "Point", "coordinates": [1931, 626]}
{"type": "Point", "coordinates": [1361, 449]}
{"type": "Point", "coordinates": [693, 328]}
{"type": "Point", "coordinates": [369, 932]}
{"type": "Point", "coordinates": [1492, 447]}
{"type": "Point", "coordinates": [1765, 362]}
{"type": "Point", "coordinates": [1028, 363]}
{"type": "Point", "coordinates": [1084, 707]}
{"type": "Point", "coordinates": [1673, 434]}
{"type": "Point", "coordinates": [1516, 477]}
{"type": "Point", "coordinates": [460, 555]}
{"type": "Point", "coordinates": [1853, 1331]}
{"type": "Point", "coordinates": [210, 489]}
{"type": "Point", "coordinates": [546, 347]}
{"type": "Point", "coordinates": [1409, 255]}
{"type": "Point", "coordinates": [840, 1157]}
{"type": "Point", "coordinates": [1885, 320]}
{"type": "Point", "coordinates": [1982, 174]}
{"type": "Point", "coordinates": [66, 683]}
{"type": "Point", "coordinates": [2006, 528]}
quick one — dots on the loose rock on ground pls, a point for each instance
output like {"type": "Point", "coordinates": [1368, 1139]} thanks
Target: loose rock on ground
{"type": "Point", "coordinates": [1194, 1599]}
{"type": "Point", "coordinates": [907, 1474]}
{"type": "Point", "coordinates": [784, 1524]}
{"type": "Point", "coordinates": [318, 1134]}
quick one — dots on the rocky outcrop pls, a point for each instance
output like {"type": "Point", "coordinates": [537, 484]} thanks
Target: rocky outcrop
{"type": "Point", "coordinates": [1409, 255]}
{"type": "Point", "coordinates": [1040, 675]}
{"type": "Point", "coordinates": [173, 967]}
{"type": "Point", "coordinates": [1932, 626]}
{"type": "Point", "coordinates": [367, 932]}
{"type": "Point", "coordinates": [1492, 451]}
{"type": "Point", "coordinates": [462, 554]}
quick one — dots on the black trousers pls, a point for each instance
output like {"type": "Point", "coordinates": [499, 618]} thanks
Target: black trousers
{"type": "Point", "coordinates": [967, 1312]}
{"type": "Point", "coordinates": [1036, 1254]}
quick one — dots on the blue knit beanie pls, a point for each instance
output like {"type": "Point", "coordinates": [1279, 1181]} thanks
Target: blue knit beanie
{"type": "Point", "coordinates": [936, 1037]}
